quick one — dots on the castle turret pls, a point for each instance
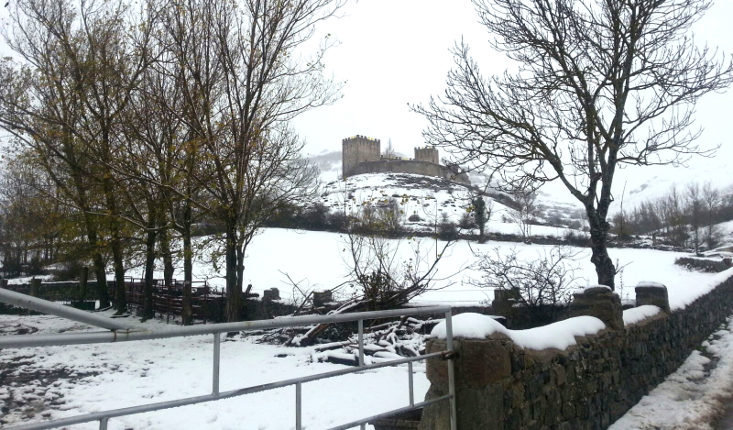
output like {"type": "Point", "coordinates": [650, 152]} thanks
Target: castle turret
{"type": "Point", "coordinates": [429, 154]}
{"type": "Point", "coordinates": [358, 149]}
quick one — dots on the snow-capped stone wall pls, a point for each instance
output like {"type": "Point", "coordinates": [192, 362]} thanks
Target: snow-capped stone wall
{"type": "Point", "coordinates": [502, 384]}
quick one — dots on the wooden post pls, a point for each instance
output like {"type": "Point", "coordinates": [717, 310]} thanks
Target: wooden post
{"type": "Point", "coordinates": [35, 287]}
{"type": "Point", "coordinates": [83, 283]}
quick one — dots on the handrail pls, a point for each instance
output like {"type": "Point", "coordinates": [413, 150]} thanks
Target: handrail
{"type": "Point", "coordinates": [47, 307]}
{"type": "Point", "coordinates": [130, 333]}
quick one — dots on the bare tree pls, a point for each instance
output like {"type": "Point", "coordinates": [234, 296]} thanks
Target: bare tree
{"type": "Point", "coordinates": [65, 101]}
{"type": "Point", "coordinates": [695, 213]}
{"type": "Point", "coordinates": [241, 83]}
{"type": "Point", "coordinates": [388, 275]}
{"type": "Point", "coordinates": [526, 211]}
{"type": "Point", "coordinates": [545, 279]}
{"type": "Point", "coordinates": [598, 84]}
{"type": "Point", "coordinates": [711, 202]}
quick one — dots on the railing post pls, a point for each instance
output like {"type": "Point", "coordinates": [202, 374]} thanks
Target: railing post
{"type": "Point", "coordinates": [298, 405]}
{"type": "Point", "coordinates": [409, 381]}
{"type": "Point", "coordinates": [361, 342]}
{"type": "Point", "coordinates": [451, 374]}
{"type": "Point", "coordinates": [103, 423]}
{"type": "Point", "coordinates": [217, 355]}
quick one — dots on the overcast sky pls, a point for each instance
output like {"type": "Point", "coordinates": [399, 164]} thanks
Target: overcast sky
{"type": "Point", "coordinates": [395, 52]}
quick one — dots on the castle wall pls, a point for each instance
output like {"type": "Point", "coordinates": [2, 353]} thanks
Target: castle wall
{"type": "Point", "coordinates": [408, 166]}
{"type": "Point", "coordinates": [427, 154]}
{"type": "Point", "coordinates": [356, 150]}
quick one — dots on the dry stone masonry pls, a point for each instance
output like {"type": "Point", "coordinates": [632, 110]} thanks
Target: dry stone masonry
{"type": "Point", "coordinates": [586, 386]}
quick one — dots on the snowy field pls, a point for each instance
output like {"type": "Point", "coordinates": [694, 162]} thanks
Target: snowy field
{"type": "Point", "coordinates": [55, 382]}
{"type": "Point", "coordinates": [319, 261]}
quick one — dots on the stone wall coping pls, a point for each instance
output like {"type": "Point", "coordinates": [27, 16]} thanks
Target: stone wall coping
{"type": "Point", "coordinates": [559, 335]}
{"type": "Point", "coordinates": [640, 313]}
{"type": "Point", "coordinates": [650, 284]}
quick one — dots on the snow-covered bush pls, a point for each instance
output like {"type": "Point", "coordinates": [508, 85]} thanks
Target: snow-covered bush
{"type": "Point", "coordinates": [544, 280]}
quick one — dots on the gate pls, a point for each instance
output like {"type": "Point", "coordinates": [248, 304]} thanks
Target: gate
{"type": "Point", "coordinates": [121, 332]}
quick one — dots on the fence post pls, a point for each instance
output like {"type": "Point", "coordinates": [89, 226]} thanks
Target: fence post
{"type": "Point", "coordinates": [451, 369]}
{"type": "Point", "coordinates": [361, 342]}
{"type": "Point", "coordinates": [35, 287]}
{"type": "Point", "coordinates": [217, 362]}
{"type": "Point", "coordinates": [298, 406]}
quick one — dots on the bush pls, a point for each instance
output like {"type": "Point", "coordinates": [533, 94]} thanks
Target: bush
{"type": "Point", "coordinates": [467, 222]}
{"type": "Point", "coordinates": [447, 230]}
{"type": "Point", "coordinates": [541, 281]}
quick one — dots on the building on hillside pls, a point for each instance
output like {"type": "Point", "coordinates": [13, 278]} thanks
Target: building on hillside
{"type": "Point", "coordinates": [361, 154]}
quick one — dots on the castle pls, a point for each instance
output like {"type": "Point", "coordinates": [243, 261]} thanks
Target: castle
{"type": "Point", "coordinates": [362, 154]}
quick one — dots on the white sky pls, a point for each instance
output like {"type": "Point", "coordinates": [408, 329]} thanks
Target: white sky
{"type": "Point", "coordinates": [395, 52]}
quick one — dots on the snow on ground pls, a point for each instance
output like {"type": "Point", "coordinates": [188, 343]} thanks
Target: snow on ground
{"type": "Point", "coordinates": [108, 376]}
{"type": "Point", "coordinates": [692, 396]}
{"type": "Point", "coordinates": [319, 261]}
{"type": "Point", "coordinates": [89, 378]}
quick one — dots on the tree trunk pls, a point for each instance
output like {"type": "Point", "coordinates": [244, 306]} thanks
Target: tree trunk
{"type": "Point", "coordinates": [100, 269]}
{"type": "Point", "coordinates": [165, 249]}
{"type": "Point", "coordinates": [187, 312]}
{"type": "Point", "coordinates": [120, 299]}
{"type": "Point", "coordinates": [83, 283]}
{"type": "Point", "coordinates": [148, 311]}
{"type": "Point", "coordinates": [233, 287]}
{"type": "Point", "coordinates": [605, 269]}
{"type": "Point", "coordinates": [240, 273]}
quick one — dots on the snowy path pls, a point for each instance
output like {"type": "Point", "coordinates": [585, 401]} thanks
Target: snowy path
{"type": "Point", "coordinates": [726, 423]}
{"type": "Point", "coordinates": [693, 396]}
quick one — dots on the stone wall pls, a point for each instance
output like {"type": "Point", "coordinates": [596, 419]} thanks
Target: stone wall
{"type": "Point", "coordinates": [358, 149]}
{"type": "Point", "coordinates": [408, 166]}
{"type": "Point", "coordinates": [428, 154]}
{"type": "Point", "coordinates": [587, 386]}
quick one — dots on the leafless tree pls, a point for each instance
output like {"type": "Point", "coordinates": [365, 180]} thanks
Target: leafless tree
{"type": "Point", "coordinates": [545, 279]}
{"type": "Point", "coordinates": [241, 82]}
{"type": "Point", "coordinates": [711, 202]}
{"type": "Point", "coordinates": [597, 85]}
{"type": "Point", "coordinates": [695, 213]}
{"type": "Point", "coordinates": [526, 201]}
{"type": "Point", "coordinates": [65, 103]}
{"type": "Point", "coordinates": [389, 271]}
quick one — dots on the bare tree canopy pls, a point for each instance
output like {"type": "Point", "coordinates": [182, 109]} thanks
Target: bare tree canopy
{"type": "Point", "coordinates": [597, 85]}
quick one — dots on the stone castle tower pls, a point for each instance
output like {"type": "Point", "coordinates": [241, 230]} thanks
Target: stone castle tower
{"type": "Point", "coordinates": [427, 154]}
{"type": "Point", "coordinates": [360, 154]}
{"type": "Point", "coordinates": [358, 149]}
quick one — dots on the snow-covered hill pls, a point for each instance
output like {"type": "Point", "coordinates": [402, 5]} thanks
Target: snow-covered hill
{"type": "Point", "coordinates": [429, 198]}
{"type": "Point", "coordinates": [423, 201]}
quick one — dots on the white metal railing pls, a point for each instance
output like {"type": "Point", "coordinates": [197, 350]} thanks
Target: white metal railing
{"type": "Point", "coordinates": [121, 332]}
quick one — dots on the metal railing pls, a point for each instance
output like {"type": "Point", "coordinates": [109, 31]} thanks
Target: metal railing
{"type": "Point", "coordinates": [121, 332]}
